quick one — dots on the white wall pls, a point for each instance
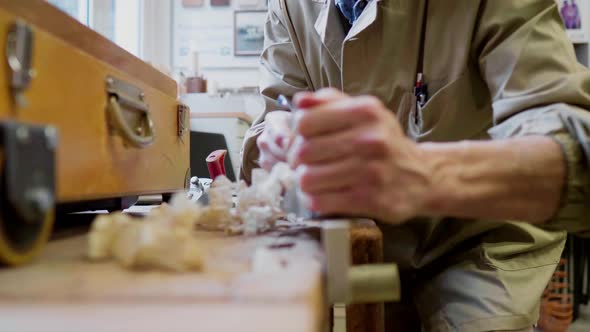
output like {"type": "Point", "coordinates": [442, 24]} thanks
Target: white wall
{"type": "Point", "coordinates": [157, 23]}
{"type": "Point", "coordinates": [157, 40]}
{"type": "Point", "coordinates": [233, 78]}
{"type": "Point", "coordinates": [102, 19]}
{"type": "Point", "coordinates": [128, 25]}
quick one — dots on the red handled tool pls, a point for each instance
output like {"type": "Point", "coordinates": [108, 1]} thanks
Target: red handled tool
{"type": "Point", "coordinates": [215, 163]}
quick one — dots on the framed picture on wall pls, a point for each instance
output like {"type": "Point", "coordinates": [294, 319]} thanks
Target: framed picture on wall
{"type": "Point", "coordinates": [573, 13]}
{"type": "Point", "coordinates": [249, 32]}
{"type": "Point", "coordinates": [220, 3]}
{"type": "Point", "coordinates": [252, 4]}
{"type": "Point", "coordinates": [193, 3]}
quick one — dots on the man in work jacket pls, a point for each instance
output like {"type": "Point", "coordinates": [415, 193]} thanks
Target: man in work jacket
{"type": "Point", "coordinates": [474, 180]}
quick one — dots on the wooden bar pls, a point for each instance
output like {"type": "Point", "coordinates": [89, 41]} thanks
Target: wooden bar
{"type": "Point", "coordinates": [366, 248]}
{"type": "Point", "coordinates": [63, 291]}
{"type": "Point", "coordinates": [66, 292]}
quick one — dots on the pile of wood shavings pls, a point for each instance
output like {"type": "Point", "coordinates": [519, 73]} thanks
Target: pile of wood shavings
{"type": "Point", "coordinates": [164, 238]}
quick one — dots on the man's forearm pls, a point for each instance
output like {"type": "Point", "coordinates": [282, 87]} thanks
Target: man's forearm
{"type": "Point", "coordinates": [514, 179]}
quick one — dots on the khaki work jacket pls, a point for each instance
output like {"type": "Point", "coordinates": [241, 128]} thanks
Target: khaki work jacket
{"type": "Point", "coordinates": [495, 69]}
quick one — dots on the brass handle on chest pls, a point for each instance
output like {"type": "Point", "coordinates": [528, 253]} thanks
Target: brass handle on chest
{"type": "Point", "coordinates": [129, 116]}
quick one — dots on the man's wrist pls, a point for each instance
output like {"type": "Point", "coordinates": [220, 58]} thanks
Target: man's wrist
{"type": "Point", "coordinates": [444, 163]}
{"type": "Point", "coordinates": [517, 179]}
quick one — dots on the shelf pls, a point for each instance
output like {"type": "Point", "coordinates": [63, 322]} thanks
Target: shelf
{"type": "Point", "coordinates": [578, 36]}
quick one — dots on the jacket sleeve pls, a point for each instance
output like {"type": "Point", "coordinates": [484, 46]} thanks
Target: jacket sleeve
{"type": "Point", "coordinates": [538, 88]}
{"type": "Point", "coordinates": [281, 73]}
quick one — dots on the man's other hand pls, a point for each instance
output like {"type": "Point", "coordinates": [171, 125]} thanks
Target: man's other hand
{"type": "Point", "coordinates": [273, 142]}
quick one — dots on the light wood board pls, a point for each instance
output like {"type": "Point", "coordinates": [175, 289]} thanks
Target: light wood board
{"type": "Point", "coordinates": [63, 291]}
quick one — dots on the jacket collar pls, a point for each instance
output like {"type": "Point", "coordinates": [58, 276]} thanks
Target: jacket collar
{"type": "Point", "coordinates": [329, 27]}
{"type": "Point", "coordinates": [367, 18]}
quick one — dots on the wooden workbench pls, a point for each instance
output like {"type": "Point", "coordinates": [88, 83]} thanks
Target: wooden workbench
{"type": "Point", "coordinates": [63, 291]}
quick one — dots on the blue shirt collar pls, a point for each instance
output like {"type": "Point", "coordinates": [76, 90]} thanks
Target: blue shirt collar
{"type": "Point", "coordinates": [351, 9]}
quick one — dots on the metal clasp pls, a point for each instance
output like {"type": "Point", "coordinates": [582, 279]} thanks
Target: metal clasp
{"type": "Point", "coordinates": [19, 54]}
{"type": "Point", "coordinates": [129, 115]}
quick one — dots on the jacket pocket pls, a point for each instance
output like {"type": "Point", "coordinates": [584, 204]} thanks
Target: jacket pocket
{"type": "Point", "coordinates": [526, 247]}
{"type": "Point", "coordinates": [409, 115]}
{"type": "Point", "coordinates": [412, 114]}
{"type": "Point", "coordinates": [459, 110]}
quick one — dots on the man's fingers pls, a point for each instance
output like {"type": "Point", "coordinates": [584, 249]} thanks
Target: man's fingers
{"type": "Point", "coordinates": [279, 116]}
{"type": "Point", "coordinates": [270, 142]}
{"type": "Point", "coordinates": [305, 100]}
{"type": "Point", "coordinates": [267, 161]}
{"type": "Point", "coordinates": [349, 202]}
{"type": "Point", "coordinates": [277, 151]}
{"type": "Point", "coordinates": [324, 148]}
{"type": "Point", "coordinates": [329, 177]}
{"type": "Point", "coordinates": [278, 122]}
{"type": "Point", "coordinates": [338, 115]}
{"type": "Point", "coordinates": [270, 152]}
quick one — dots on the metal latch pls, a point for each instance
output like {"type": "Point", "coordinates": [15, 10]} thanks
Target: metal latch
{"type": "Point", "coordinates": [29, 169]}
{"type": "Point", "coordinates": [183, 114]}
{"type": "Point", "coordinates": [19, 54]}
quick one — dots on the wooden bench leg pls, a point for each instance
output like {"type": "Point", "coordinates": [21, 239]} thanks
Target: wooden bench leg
{"type": "Point", "coordinates": [366, 248]}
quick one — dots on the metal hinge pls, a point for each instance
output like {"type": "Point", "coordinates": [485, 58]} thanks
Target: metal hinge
{"type": "Point", "coordinates": [183, 115]}
{"type": "Point", "coordinates": [19, 55]}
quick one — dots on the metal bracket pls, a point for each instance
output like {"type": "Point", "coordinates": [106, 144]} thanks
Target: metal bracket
{"type": "Point", "coordinates": [29, 169]}
{"type": "Point", "coordinates": [183, 114]}
{"type": "Point", "coordinates": [128, 95]}
{"type": "Point", "coordinates": [187, 179]}
{"type": "Point", "coordinates": [19, 54]}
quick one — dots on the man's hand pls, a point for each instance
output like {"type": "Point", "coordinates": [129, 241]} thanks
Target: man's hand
{"type": "Point", "coordinates": [352, 158]}
{"type": "Point", "coordinates": [276, 138]}
{"type": "Point", "coordinates": [273, 142]}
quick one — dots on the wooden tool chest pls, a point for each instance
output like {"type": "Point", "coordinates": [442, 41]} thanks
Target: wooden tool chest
{"type": "Point", "coordinates": [81, 120]}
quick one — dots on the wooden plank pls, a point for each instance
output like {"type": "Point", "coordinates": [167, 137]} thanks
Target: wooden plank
{"type": "Point", "coordinates": [218, 317]}
{"type": "Point", "coordinates": [46, 17]}
{"type": "Point", "coordinates": [229, 296]}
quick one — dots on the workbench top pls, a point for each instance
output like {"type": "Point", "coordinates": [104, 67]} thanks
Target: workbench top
{"type": "Point", "coordinates": [279, 290]}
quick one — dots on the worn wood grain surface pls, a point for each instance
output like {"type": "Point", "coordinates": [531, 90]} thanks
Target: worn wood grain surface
{"type": "Point", "coordinates": [63, 291]}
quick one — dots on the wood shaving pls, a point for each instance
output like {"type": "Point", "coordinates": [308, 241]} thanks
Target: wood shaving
{"type": "Point", "coordinates": [164, 239]}
{"type": "Point", "coordinates": [161, 240]}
